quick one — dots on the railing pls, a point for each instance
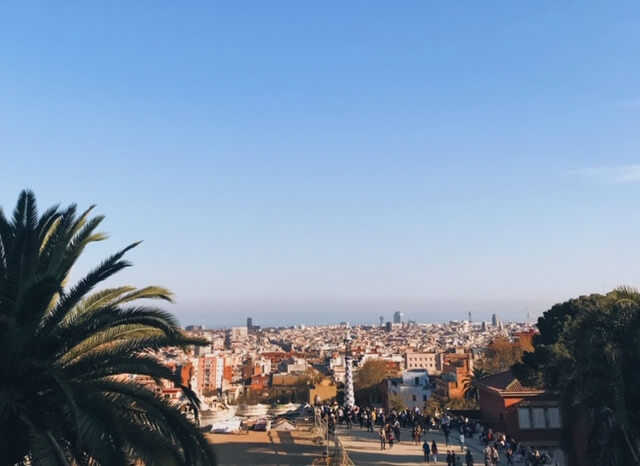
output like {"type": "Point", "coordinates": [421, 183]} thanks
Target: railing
{"type": "Point", "coordinates": [339, 456]}
{"type": "Point", "coordinates": [341, 452]}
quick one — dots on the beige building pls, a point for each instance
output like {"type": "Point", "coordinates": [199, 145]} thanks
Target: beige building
{"type": "Point", "coordinates": [432, 362]}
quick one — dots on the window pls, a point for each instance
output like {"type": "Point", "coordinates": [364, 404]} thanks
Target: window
{"type": "Point", "coordinates": [424, 397]}
{"type": "Point", "coordinates": [524, 420]}
{"type": "Point", "coordinates": [553, 415]}
{"type": "Point", "coordinates": [416, 380]}
{"type": "Point", "coordinates": [538, 418]}
{"type": "Point", "coordinates": [413, 397]}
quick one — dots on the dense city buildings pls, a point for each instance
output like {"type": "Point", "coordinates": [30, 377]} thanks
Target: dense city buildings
{"type": "Point", "coordinates": [275, 363]}
{"type": "Point", "coordinates": [264, 370]}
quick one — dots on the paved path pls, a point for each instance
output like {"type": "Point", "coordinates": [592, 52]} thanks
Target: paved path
{"type": "Point", "coordinates": [273, 448]}
{"type": "Point", "coordinates": [364, 448]}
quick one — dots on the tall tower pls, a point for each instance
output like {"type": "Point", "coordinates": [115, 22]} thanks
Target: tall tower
{"type": "Point", "coordinates": [349, 397]}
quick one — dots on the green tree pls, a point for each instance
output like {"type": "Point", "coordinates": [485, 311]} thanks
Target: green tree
{"type": "Point", "coordinates": [435, 405]}
{"type": "Point", "coordinates": [461, 403]}
{"type": "Point", "coordinates": [471, 384]}
{"type": "Point", "coordinates": [588, 351]}
{"type": "Point", "coordinates": [367, 381]}
{"type": "Point", "coordinates": [68, 352]}
{"type": "Point", "coordinates": [397, 403]}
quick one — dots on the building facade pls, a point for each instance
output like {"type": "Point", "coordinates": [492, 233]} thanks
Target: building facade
{"type": "Point", "coordinates": [532, 416]}
{"type": "Point", "coordinates": [412, 387]}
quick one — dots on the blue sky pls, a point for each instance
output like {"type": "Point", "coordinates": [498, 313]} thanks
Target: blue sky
{"type": "Point", "coordinates": [326, 161]}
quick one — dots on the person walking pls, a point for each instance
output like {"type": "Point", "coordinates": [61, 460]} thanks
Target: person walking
{"type": "Point", "coordinates": [487, 456]}
{"type": "Point", "coordinates": [509, 454]}
{"type": "Point", "coordinates": [396, 430]}
{"type": "Point", "coordinates": [434, 451]}
{"type": "Point", "coordinates": [391, 438]}
{"type": "Point", "coordinates": [495, 457]}
{"type": "Point", "coordinates": [426, 450]}
{"type": "Point", "coordinates": [383, 439]}
{"type": "Point", "coordinates": [450, 458]}
{"type": "Point", "coordinates": [461, 438]}
{"type": "Point", "coordinates": [469, 458]}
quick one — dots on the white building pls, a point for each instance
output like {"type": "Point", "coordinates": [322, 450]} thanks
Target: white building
{"type": "Point", "coordinates": [239, 333]}
{"type": "Point", "coordinates": [413, 387]}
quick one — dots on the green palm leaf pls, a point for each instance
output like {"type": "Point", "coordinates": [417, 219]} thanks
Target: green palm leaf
{"type": "Point", "coordinates": [66, 389]}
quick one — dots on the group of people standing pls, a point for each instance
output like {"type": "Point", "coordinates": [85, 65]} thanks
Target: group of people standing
{"type": "Point", "coordinates": [389, 433]}
{"type": "Point", "coordinates": [431, 451]}
{"type": "Point", "coordinates": [388, 426]}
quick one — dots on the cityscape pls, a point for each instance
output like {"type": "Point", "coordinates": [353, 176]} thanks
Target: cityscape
{"type": "Point", "coordinates": [246, 374]}
{"type": "Point", "coordinates": [320, 233]}
{"type": "Point", "coordinates": [238, 354]}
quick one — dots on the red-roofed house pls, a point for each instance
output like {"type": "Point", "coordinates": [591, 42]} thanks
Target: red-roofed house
{"type": "Point", "coordinates": [532, 416]}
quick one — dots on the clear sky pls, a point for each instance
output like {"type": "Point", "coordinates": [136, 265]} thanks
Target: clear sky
{"type": "Point", "coordinates": [304, 161]}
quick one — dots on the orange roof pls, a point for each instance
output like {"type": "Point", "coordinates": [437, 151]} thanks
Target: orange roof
{"type": "Point", "coordinates": [506, 382]}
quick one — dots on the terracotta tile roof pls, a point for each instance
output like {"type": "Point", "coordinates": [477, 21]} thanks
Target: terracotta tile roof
{"type": "Point", "coordinates": [506, 382]}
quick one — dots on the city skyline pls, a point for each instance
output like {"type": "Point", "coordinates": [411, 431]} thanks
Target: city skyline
{"type": "Point", "coordinates": [336, 158]}
{"type": "Point", "coordinates": [288, 320]}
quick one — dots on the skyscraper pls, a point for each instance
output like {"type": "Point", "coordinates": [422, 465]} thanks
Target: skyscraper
{"type": "Point", "coordinates": [249, 323]}
{"type": "Point", "coordinates": [381, 321]}
{"type": "Point", "coordinates": [397, 317]}
{"type": "Point", "coordinates": [495, 320]}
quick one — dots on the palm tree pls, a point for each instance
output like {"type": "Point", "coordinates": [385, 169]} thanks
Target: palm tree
{"type": "Point", "coordinates": [66, 391]}
{"type": "Point", "coordinates": [470, 384]}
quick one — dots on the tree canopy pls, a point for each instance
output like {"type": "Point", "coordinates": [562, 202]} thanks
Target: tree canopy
{"type": "Point", "coordinates": [69, 352]}
{"type": "Point", "coordinates": [397, 403]}
{"type": "Point", "coordinates": [367, 381]}
{"type": "Point", "coordinates": [371, 373]}
{"type": "Point", "coordinates": [588, 351]}
{"type": "Point", "coordinates": [471, 384]}
{"type": "Point", "coordinates": [500, 355]}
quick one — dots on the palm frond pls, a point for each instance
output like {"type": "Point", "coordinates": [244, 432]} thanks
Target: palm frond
{"type": "Point", "coordinates": [71, 351]}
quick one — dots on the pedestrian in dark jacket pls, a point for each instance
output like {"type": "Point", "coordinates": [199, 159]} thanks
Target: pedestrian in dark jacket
{"type": "Point", "coordinates": [449, 458]}
{"type": "Point", "coordinates": [469, 458]}
{"type": "Point", "coordinates": [426, 450]}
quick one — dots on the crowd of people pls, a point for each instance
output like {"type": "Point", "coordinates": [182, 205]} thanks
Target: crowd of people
{"type": "Point", "coordinates": [513, 451]}
{"type": "Point", "coordinates": [389, 425]}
